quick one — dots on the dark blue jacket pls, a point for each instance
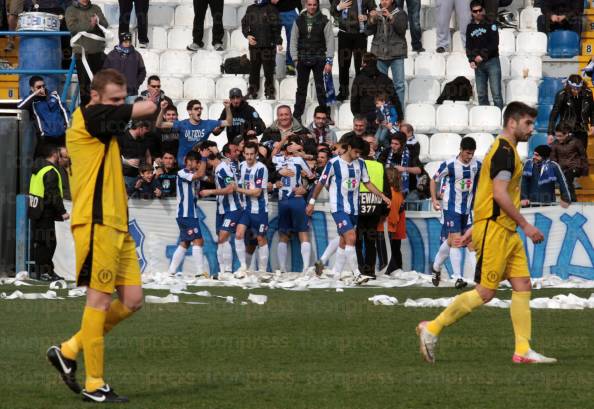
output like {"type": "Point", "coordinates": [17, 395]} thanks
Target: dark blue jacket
{"type": "Point", "coordinates": [539, 186]}
{"type": "Point", "coordinates": [50, 116]}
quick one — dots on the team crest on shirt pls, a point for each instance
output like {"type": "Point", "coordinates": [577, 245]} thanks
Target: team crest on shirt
{"type": "Point", "coordinates": [229, 179]}
{"type": "Point", "coordinates": [351, 184]}
{"type": "Point", "coordinates": [465, 185]}
{"type": "Point", "coordinates": [138, 236]}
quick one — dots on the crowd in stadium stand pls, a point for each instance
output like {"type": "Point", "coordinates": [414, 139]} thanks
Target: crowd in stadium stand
{"type": "Point", "coordinates": [154, 149]}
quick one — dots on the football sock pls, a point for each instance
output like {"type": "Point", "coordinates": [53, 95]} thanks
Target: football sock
{"type": "Point", "coordinates": [350, 254]}
{"type": "Point", "coordinates": [93, 322]}
{"type": "Point", "coordinates": [339, 261]}
{"type": "Point", "coordinates": [470, 262]}
{"type": "Point", "coordinates": [456, 260]}
{"type": "Point", "coordinates": [197, 256]}
{"type": "Point", "coordinates": [223, 256]}
{"type": "Point", "coordinates": [251, 260]}
{"type": "Point", "coordinates": [461, 306]}
{"type": "Point", "coordinates": [240, 250]}
{"type": "Point", "coordinates": [227, 256]}
{"type": "Point", "coordinates": [442, 254]}
{"type": "Point", "coordinates": [306, 254]}
{"type": "Point", "coordinates": [282, 256]}
{"type": "Point", "coordinates": [262, 257]}
{"type": "Point", "coordinates": [521, 320]}
{"type": "Point", "coordinates": [176, 259]}
{"type": "Point", "coordinates": [117, 312]}
{"type": "Point", "coordinates": [330, 249]}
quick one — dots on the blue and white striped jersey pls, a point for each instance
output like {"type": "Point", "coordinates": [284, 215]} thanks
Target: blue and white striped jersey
{"type": "Point", "coordinates": [187, 194]}
{"type": "Point", "coordinates": [458, 183]}
{"type": "Point", "coordinates": [224, 176]}
{"type": "Point", "coordinates": [255, 177]}
{"type": "Point", "coordinates": [289, 183]}
{"type": "Point", "coordinates": [344, 179]}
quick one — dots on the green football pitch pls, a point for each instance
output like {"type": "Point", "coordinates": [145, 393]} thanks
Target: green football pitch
{"type": "Point", "coordinates": [313, 349]}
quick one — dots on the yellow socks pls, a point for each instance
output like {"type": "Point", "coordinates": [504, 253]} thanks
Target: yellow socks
{"type": "Point", "coordinates": [521, 320]}
{"type": "Point", "coordinates": [91, 331]}
{"type": "Point", "coordinates": [461, 306]}
{"type": "Point", "coordinates": [117, 313]}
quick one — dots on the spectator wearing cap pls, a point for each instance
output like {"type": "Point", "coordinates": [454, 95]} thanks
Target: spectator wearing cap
{"type": "Point", "coordinates": [569, 153]}
{"type": "Point", "coordinates": [125, 59]}
{"type": "Point", "coordinates": [539, 178]}
{"type": "Point", "coordinates": [246, 120]}
{"type": "Point", "coordinates": [482, 50]}
{"type": "Point", "coordinates": [262, 27]}
{"type": "Point", "coordinates": [141, 8]}
{"type": "Point", "coordinates": [574, 107]}
{"type": "Point", "coordinates": [134, 151]}
{"type": "Point", "coordinates": [320, 129]}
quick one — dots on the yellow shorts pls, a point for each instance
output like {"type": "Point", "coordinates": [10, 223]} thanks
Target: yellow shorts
{"type": "Point", "coordinates": [105, 257]}
{"type": "Point", "coordinates": [500, 254]}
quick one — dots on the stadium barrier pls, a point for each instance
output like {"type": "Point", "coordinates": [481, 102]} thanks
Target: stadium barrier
{"type": "Point", "coordinates": [566, 251]}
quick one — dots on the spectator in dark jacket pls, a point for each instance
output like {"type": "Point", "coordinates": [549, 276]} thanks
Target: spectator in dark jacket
{"type": "Point", "coordinates": [560, 15]}
{"type": "Point", "coordinates": [574, 106]}
{"type": "Point", "coordinates": [283, 127]}
{"type": "Point", "coordinates": [46, 186]}
{"type": "Point", "coordinates": [398, 156]}
{"type": "Point", "coordinates": [569, 154]}
{"type": "Point", "coordinates": [134, 150]}
{"type": "Point", "coordinates": [147, 186]}
{"type": "Point", "coordinates": [540, 177]}
{"type": "Point", "coordinates": [246, 120]}
{"type": "Point", "coordinates": [482, 49]}
{"type": "Point", "coordinates": [153, 84]}
{"type": "Point", "coordinates": [261, 26]}
{"type": "Point", "coordinates": [367, 85]}
{"type": "Point", "coordinates": [458, 89]}
{"type": "Point", "coordinates": [141, 8]}
{"type": "Point", "coordinates": [125, 59]}
{"type": "Point", "coordinates": [388, 28]}
{"type": "Point", "coordinates": [352, 37]}
{"type": "Point", "coordinates": [166, 173]}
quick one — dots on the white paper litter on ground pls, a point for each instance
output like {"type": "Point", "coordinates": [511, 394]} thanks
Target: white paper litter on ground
{"type": "Point", "coordinates": [58, 285]}
{"type": "Point", "coordinates": [169, 299]}
{"type": "Point", "coordinates": [18, 295]}
{"type": "Point", "coordinates": [77, 292]}
{"type": "Point", "coordinates": [257, 299]}
{"type": "Point", "coordinates": [558, 302]}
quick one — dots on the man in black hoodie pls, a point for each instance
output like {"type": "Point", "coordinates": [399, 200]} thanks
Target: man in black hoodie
{"type": "Point", "coordinates": [367, 85]}
{"type": "Point", "coordinates": [246, 121]}
{"type": "Point", "coordinates": [45, 190]}
{"type": "Point", "coordinates": [261, 26]}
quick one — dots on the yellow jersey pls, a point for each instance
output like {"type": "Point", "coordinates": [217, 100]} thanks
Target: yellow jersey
{"type": "Point", "coordinates": [502, 156]}
{"type": "Point", "coordinates": [97, 181]}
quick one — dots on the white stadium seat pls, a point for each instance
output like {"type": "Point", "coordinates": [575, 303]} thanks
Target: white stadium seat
{"type": "Point", "coordinates": [432, 167]}
{"type": "Point", "coordinates": [157, 38]}
{"type": "Point", "coordinates": [507, 41]}
{"type": "Point", "coordinates": [424, 144]}
{"type": "Point", "coordinates": [526, 64]}
{"type": "Point", "coordinates": [483, 143]}
{"type": "Point", "coordinates": [423, 91]}
{"type": "Point", "coordinates": [457, 65]}
{"type": "Point", "coordinates": [451, 117]}
{"type": "Point", "coordinates": [457, 45]}
{"type": "Point", "coordinates": [241, 12]}
{"type": "Point", "coordinates": [151, 61]}
{"type": "Point", "coordinates": [160, 16]}
{"type": "Point", "coordinates": [288, 88]}
{"type": "Point", "coordinates": [173, 87]}
{"type": "Point", "coordinates": [184, 15]}
{"type": "Point", "coordinates": [207, 63]}
{"type": "Point", "coordinates": [505, 67]}
{"type": "Point", "coordinates": [179, 37]}
{"type": "Point", "coordinates": [175, 63]}
{"type": "Point", "coordinates": [230, 21]}
{"type": "Point", "coordinates": [172, 3]}
{"type": "Point", "coordinates": [199, 88]}
{"type": "Point", "coordinates": [264, 109]}
{"type": "Point", "coordinates": [430, 65]}
{"type": "Point", "coordinates": [528, 18]}
{"type": "Point", "coordinates": [443, 146]}
{"type": "Point", "coordinates": [484, 118]}
{"type": "Point", "coordinates": [214, 111]}
{"type": "Point", "coordinates": [225, 83]}
{"type": "Point", "coordinates": [522, 149]}
{"type": "Point", "coordinates": [533, 43]}
{"type": "Point", "coordinates": [429, 39]}
{"type": "Point", "coordinates": [421, 117]}
{"type": "Point", "coordinates": [182, 112]}
{"type": "Point", "coordinates": [238, 41]}
{"type": "Point", "coordinates": [234, 3]}
{"type": "Point", "coordinates": [345, 117]}
{"type": "Point", "coordinates": [409, 67]}
{"type": "Point", "coordinates": [524, 90]}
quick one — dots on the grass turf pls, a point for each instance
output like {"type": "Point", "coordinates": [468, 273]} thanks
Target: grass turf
{"type": "Point", "coordinates": [314, 349]}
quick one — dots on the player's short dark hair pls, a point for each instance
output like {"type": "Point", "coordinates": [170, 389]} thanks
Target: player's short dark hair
{"type": "Point", "coordinates": [475, 3]}
{"type": "Point", "coordinates": [563, 128]}
{"type": "Point", "coordinates": [191, 104]}
{"type": "Point", "coordinates": [468, 144]}
{"type": "Point", "coordinates": [193, 155]}
{"type": "Point", "coordinates": [34, 79]}
{"type": "Point", "coordinates": [517, 110]}
{"type": "Point", "coordinates": [356, 142]}
{"type": "Point", "coordinates": [153, 78]}
{"type": "Point", "coordinates": [107, 76]}
{"type": "Point", "coordinates": [250, 138]}
{"type": "Point", "coordinates": [227, 148]}
{"type": "Point", "coordinates": [47, 150]}
{"type": "Point", "coordinates": [251, 145]}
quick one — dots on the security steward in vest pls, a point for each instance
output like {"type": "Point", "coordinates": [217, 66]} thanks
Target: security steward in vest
{"type": "Point", "coordinates": [371, 209]}
{"type": "Point", "coordinates": [45, 207]}
{"type": "Point", "coordinates": [312, 49]}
